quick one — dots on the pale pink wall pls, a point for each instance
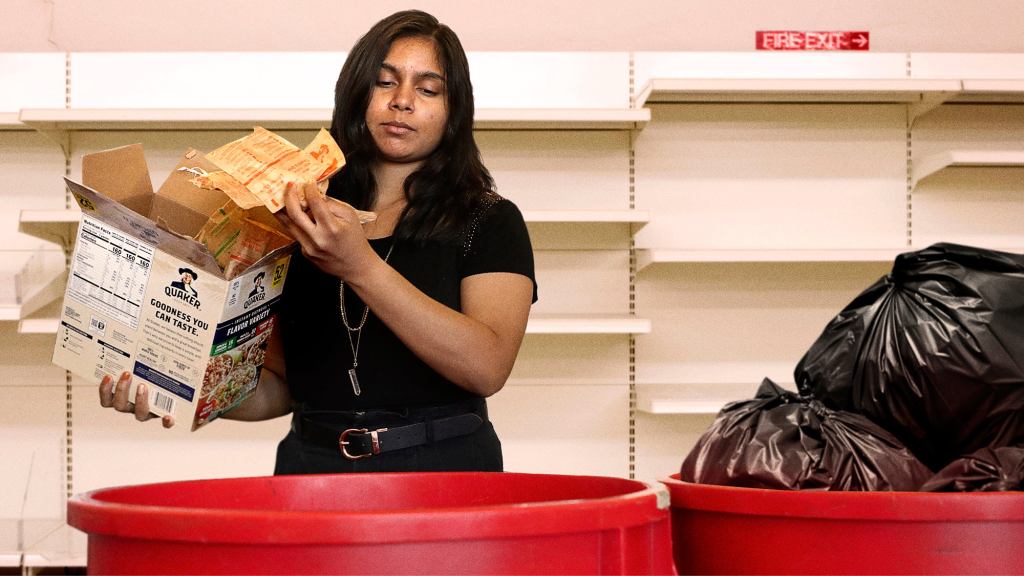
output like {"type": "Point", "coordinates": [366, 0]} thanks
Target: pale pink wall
{"type": "Point", "coordinates": [613, 25]}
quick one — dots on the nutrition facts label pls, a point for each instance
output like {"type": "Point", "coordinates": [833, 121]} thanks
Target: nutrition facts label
{"type": "Point", "coordinates": [110, 271]}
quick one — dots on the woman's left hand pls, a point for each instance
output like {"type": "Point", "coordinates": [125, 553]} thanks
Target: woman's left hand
{"type": "Point", "coordinates": [328, 230]}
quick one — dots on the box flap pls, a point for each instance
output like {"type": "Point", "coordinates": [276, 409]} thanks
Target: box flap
{"type": "Point", "coordinates": [128, 221]}
{"type": "Point", "coordinates": [181, 205]}
{"type": "Point", "coordinates": [179, 218]}
{"type": "Point", "coordinates": [179, 187]}
{"type": "Point", "coordinates": [120, 174]}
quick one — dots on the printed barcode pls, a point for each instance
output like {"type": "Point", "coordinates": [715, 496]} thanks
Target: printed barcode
{"type": "Point", "coordinates": [163, 402]}
{"type": "Point", "coordinates": [98, 324]}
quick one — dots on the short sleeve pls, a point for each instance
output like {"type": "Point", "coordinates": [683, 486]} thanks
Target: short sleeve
{"type": "Point", "coordinates": [497, 241]}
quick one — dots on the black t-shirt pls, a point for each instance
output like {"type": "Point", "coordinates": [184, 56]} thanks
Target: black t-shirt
{"type": "Point", "coordinates": [317, 351]}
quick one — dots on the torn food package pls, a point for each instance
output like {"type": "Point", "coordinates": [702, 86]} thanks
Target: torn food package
{"type": "Point", "coordinates": [255, 169]}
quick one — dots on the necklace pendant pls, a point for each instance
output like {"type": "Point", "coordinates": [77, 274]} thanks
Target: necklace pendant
{"type": "Point", "coordinates": [355, 381]}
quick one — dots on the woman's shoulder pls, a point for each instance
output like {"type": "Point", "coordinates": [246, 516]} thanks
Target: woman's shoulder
{"type": "Point", "coordinates": [494, 215]}
{"type": "Point", "coordinates": [493, 205]}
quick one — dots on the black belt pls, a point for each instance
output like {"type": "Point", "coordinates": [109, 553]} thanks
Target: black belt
{"type": "Point", "coordinates": [356, 443]}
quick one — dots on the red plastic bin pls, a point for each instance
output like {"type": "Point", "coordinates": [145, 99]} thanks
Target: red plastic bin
{"type": "Point", "coordinates": [730, 530]}
{"type": "Point", "coordinates": [479, 523]}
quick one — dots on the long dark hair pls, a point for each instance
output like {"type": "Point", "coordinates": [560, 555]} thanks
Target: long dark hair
{"type": "Point", "coordinates": [443, 193]}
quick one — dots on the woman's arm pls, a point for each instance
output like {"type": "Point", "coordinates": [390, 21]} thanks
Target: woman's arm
{"type": "Point", "coordinates": [476, 348]}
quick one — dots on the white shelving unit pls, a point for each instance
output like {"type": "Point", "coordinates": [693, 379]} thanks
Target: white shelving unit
{"type": "Point", "coordinates": [648, 257]}
{"type": "Point", "coordinates": [635, 217]}
{"type": "Point", "coordinates": [58, 226]}
{"type": "Point", "coordinates": [61, 225]}
{"type": "Point", "coordinates": [10, 121]}
{"type": "Point", "coordinates": [563, 222]}
{"type": "Point", "coordinates": [847, 90]}
{"type": "Point", "coordinates": [693, 398]}
{"type": "Point", "coordinates": [49, 119]}
{"type": "Point", "coordinates": [992, 91]}
{"type": "Point", "coordinates": [560, 119]}
{"type": "Point", "coordinates": [685, 77]}
{"type": "Point", "coordinates": [38, 325]}
{"type": "Point", "coordinates": [587, 324]}
{"type": "Point", "coordinates": [922, 94]}
{"type": "Point", "coordinates": [923, 81]}
{"type": "Point", "coordinates": [34, 544]}
{"type": "Point", "coordinates": [61, 119]}
{"type": "Point", "coordinates": [936, 163]}
{"type": "Point", "coordinates": [35, 280]}
{"type": "Point", "coordinates": [984, 76]}
{"type": "Point", "coordinates": [53, 544]}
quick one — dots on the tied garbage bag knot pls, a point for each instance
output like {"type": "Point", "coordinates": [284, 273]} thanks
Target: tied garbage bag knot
{"type": "Point", "coordinates": [782, 440]}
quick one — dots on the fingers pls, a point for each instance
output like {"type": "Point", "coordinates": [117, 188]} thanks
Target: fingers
{"type": "Point", "coordinates": [142, 403]}
{"type": "Point", "coordinates": [298, 207]}
{"type": "Point", "coordinates": [294, 218]}
{"type": "Point", "coordinates": [115, 395]}
{"type": "Point", "coordinates": [282, 217]}
{"type": "Point", "coordinates": [120, 397]}
{"type": "Point", "coordinates": [365, 217]}
{"type": "Point", "coordinates": [345, 212]}
{"type": "Point", "coordinates": [318, 206]}
{"type": "Point", "coordinates": [304, 189]}
{"type": "Point", "coordinates": [107, 391]}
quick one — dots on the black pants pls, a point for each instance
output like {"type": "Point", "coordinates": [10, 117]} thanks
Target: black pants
{"type": "Point", "coordinates": [479, 451]}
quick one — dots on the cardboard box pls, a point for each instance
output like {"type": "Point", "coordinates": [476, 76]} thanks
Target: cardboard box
{"type": "Point", "coordinates": [144, 297]}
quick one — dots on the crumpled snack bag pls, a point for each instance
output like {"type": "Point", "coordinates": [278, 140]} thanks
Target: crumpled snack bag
{"type": "Point", "coordinates": [987, 470]}
{"type": "Point", "coordinates": [933, 352]}
{"type": "Point", "coordinates": [783, 441]}
{"type": "Point", "coordinates": [255, 169]}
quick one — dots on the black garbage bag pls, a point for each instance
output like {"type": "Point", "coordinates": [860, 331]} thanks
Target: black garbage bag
{"type": "Point", "coordinates": [987, 470]}
{"type": "Point", "coordinates": [785, 441]}
{"type": "Point", "coordinates": [933, 352]}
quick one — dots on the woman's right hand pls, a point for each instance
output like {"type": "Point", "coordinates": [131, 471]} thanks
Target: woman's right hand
{"type": "Point", "coordinates": [115, 395]}
{"type": "Point", "coordinates": [330, 232]}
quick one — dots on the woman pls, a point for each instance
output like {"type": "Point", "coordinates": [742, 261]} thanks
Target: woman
{"type": "Point", "coordinates": [394, 332]}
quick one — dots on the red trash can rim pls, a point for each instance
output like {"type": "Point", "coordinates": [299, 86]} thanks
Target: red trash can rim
{"type": "Point", "coordinates": [890, 506]}
{"type": "Point", "coordinates": [162, 511]}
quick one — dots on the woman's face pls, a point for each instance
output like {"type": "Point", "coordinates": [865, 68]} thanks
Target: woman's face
{"type": "Point", "coordinates": [408, 106]}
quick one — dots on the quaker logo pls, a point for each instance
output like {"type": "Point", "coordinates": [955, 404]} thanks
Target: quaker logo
{"type": "Point", "coordinates": [183, 289]}
{"type": "Point", "coordinates": [258, 294]}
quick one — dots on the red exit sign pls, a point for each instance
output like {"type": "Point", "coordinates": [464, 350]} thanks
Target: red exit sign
{"type": "Point", "coordinates": [803, 40]}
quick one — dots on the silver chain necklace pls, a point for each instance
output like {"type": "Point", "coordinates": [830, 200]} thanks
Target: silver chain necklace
{"type": "Point", "coordinates": [354, 343]}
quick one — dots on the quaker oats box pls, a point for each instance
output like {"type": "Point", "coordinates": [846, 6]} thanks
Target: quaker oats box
{"type": "Point", "coordinates": [175, 287]}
